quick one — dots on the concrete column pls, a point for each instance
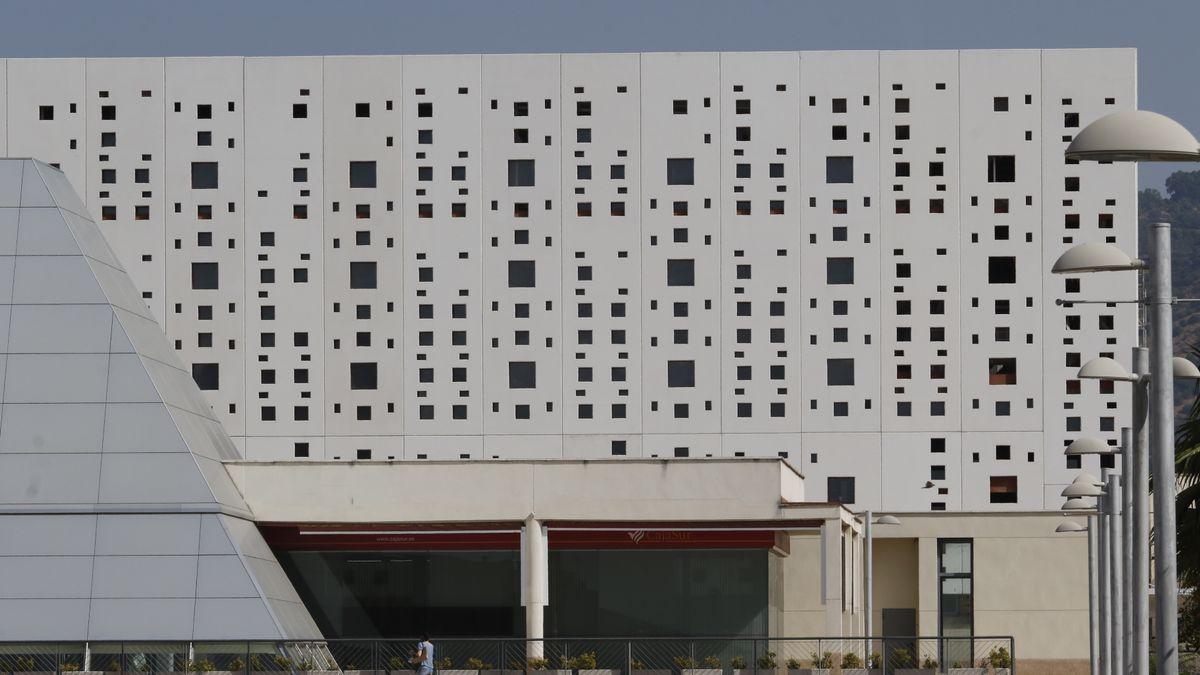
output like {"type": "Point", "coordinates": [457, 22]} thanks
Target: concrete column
{"type": "Point", "coordinates": [831, 575]}
{"type": "Point", "coordinates": [535, 586]}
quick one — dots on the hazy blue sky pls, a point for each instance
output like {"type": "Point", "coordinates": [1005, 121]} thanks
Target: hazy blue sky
{"type": "Point", "coordinates": [1164, 32]}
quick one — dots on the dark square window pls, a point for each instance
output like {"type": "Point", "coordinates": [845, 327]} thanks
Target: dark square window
{"type": "Point", "coordinates": [299, 110]}
{"type": "Point", "coordinates": [522, 374]}
{"type": "Point", "coordinates": [840, 490]}
{"type": "Point", "coordinates": [364, 376]}
{"type": "Point", "coordinates": [681, 171]}
{"type": "Point", "coordinates": [839, 271]}
{"type": "Point", "coordinates": [363, 275]}
{"type": "Point", "coordinates": [45, 113]}
{"type": "Point", "coordinates": [839, 169]}
{"type": "Point", "coordinates": [364, 110]}
{"type": "Point", "coordinates": [207, 375]}
{"type": "Point", "coordinates": [362, 174]}
{"type": "Point", "coordinates": [681, 373]}
{"type": "Point", "coordinates": [521, 273]}
{"type": "Point", "coordinates": [1002, 270]}
{"type": "Point", "coordinates": [204, 275]}
{"type": "Point", "coordinates": [1002, 168]}
{"type": "Point", "coordinates": [840, 372]}
{"type": "Point", "coordinates": [204, 175]}
{"type": "Point", "coordinates": [681, 272]}
{"type": "Point", "coordinates": [520, 172]}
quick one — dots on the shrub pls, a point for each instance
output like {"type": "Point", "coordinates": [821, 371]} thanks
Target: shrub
{"type": "Point", "coordinates": [929, 663]}
{"type": "Point", "coordinates": [793, 664]}
{"type": "Point", "coordinates": [712, 662]}
{"type": "Point", "coordinates": [767, 661]}
{"type": "Point", "coordinates": [875, 661]}
{"type": "Point", "coordinates": [397, 663]}
{"type": "Point", "coordinates": [822, 660]}
{"type": "Point", "coordinates": [477, 664]}
{"type": "Point", "coordinates": [236, 665]}
{"type": "Point", "coordinates": [634, 664]}
{"type": "Point", "coordinates": [999, 657]}
{"type": "Point", "coordinates": [902, 658]}
{"type": "Point", "coordinates": [851, 660]}
{"type": "Point", "coordinates": [24, 663]}
{"type": "Point", "coordinates": [69, 667]}
{"type": "Point", "coordinates": [444, 663]}
{"type": "Point", "coordinates": [538, 663]}
{"type": "Point", "coordinates": [281, 662]}
{"type": "Point", "coordinates": [737, 663]}
{"type": "Point", "coordinates": [684, 662]}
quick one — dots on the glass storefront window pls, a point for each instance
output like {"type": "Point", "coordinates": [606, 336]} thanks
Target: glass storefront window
{"type": "Point", "coordinates": [399, 594]}
{"type": "Point", "coordinates": [658, 592]}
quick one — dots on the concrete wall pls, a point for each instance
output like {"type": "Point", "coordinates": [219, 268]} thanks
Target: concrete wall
{"type": "Point", "coordinates": [1029, 582]}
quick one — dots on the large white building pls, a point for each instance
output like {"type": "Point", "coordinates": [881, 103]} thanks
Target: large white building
{"type": "Point", "coordinates": [838, 258]}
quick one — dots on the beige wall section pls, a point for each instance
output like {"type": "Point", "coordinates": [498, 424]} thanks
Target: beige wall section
{"type": "Point", "coordinates": [1029, 582]}
{"type": "Point", "coordinates": [802, 612]}
{"type": "Point", "coordinates": [424, 491]}
{"type": "Point", "coordinates": [896, 568]}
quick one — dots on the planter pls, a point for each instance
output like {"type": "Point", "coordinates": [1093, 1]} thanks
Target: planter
{"type": "Point", "coordinates": [650, 672]}
{"type": "Point", "coordinates": [597, 671]}
{"type": "Point", "coordinates": [811, 671]}
{"type": "Point", "coordinates": [702, 671]}
{"type": "Point", "coordinates": [860, 671]}
{"type": "Point", "coordinates": [969, 671]}
{"type": "Point", "coordinates": [452, 671]}
{"type": "Point", "coordinates": [915, 671]}
{"type": "Point", "coordinates": [365, 672]}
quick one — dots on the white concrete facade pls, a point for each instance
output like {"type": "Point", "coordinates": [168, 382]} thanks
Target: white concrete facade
{"type": "Point", "coordinates": [863, 329]}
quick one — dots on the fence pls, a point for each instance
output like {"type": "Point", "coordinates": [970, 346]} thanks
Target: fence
{"type": "Point", "coordinates": [974, 655]}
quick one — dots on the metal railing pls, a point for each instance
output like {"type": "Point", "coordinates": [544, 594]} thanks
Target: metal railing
{"type": "Point", "coordinates": [976, 655]}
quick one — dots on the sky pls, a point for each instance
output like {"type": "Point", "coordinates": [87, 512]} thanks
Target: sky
{"type": "Point", "coordinates": [1163, 31]}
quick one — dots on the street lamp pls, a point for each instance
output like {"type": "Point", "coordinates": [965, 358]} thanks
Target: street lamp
{"type": "Point", "coordinates": [1135, 518]}
{"type": "Point", "coordinates": [1143, 136]}
{"type": "Point", "coordinates": [1095, 647]}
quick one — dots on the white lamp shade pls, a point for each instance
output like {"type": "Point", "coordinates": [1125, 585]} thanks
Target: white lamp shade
{"type": "Point", "coordinates": [1077, 504]}
{"type": "Point", "coordinates": [1085, 477]}
{"type": "Point", "coordinates": [887, 520]}
{"type": "Point", "coordinates": [1070, 526]}
{"type": "Point", "coordinates": [1082, 490]}
{"type": "Point", "coordinates": [1104, 368]}
{"type": "Point", "coordinates": [1089, 445]}
{"type": "Point", "coordinates": [1134, 136]}
{"type": "Point", "coordinates": [1185, 369]}
{"type": "Point", "coordinates": [1094, 257]}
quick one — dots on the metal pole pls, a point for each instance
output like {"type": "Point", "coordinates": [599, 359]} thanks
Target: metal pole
{"type": "Point", "coordinates": [1162, 429]}
{"type": "Point", "coordinates": [1115, 574]}
{"type": "Point", "coordinates": [1105, 610]}
{"type": "Point", "coordinates": [1093, 599]}
{"type": "Point", "coordinates": [1137, 465]}
{"type": "Point", "coordinates": [868, 554]}
{"type": "Point", "coordinates": [1126, 588]}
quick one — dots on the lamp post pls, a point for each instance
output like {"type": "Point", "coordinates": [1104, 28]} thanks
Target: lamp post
{"type": "Point", "coordinates": [1136, 482]}
{"type": "Point", "coordinates": [1142, 136]}
{"type": "Point", "coordinates": [869, 554]}
{"type": "Point", "coordinates": [1076, 504]}
{"type": "Point", "coordinates": [1099, 587]}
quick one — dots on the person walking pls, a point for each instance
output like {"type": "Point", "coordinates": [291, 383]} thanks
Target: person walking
{"type": "Point", "coordinates": [424, 656]}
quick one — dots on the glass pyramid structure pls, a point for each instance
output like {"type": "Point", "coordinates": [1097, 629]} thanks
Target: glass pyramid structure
{"type": "Point", "coordinates": [117, 519]}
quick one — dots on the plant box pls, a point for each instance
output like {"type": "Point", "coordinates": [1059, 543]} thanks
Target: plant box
{"type": "Point", "coordinates": [650, 672]}
{"type": "Point", "coordinates": [915, 671]}
{"type": "Point", "coordinates": [597, 671]}
{"type": "Point", "coordinates": [810, 671]}
{"type": "Point", "coordinates": [859, 671]}
{"type": "Point", "coordinates": [452, 671]}
{"type": "Point", "coordinates": [967, 671]}
{"type": "Point", "coordinates": [702, 671]}
{"type": "Point", "coordinates": [363, 672]}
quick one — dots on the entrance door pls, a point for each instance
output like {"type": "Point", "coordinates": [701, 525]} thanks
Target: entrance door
{"type": "Point", "coordinates": [900, 632]}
